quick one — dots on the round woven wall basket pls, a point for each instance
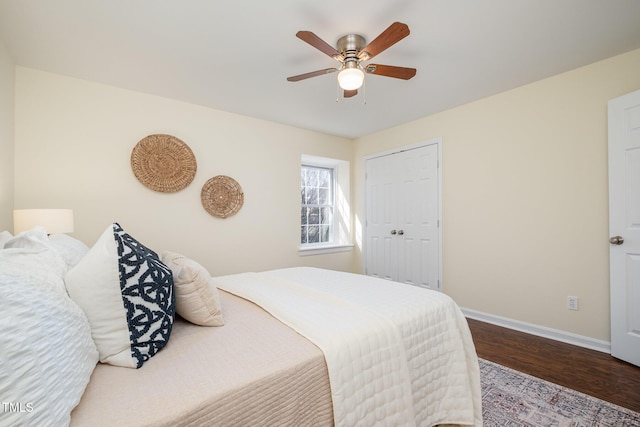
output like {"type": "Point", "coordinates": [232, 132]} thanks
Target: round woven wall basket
{"type": "Point", "coordinates": [222, 196]}
{"type": "Point", "coordinates": [163, 163]}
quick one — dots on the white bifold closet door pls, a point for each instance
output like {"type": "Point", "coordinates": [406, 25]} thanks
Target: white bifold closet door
{"type": "Point", "coordinates": [402, 216]}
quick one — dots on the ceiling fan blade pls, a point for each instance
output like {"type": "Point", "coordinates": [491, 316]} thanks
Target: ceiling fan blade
{"type": "Point", "coordinates": [350, 93]}
{"type": "Point", "coordinates": [318, 43]}
{"type": "Point", "coordinates": [391, 71]}
{"type": "Point", "coordinates": [311, 74]}
{"type": "Point", "coordinates": [392, 35]}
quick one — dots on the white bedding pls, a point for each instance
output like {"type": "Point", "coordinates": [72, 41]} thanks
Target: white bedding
{"type": "Point", "coordinates": [397, 355]}
{"type": "Point", "coordinates": [46, 351]}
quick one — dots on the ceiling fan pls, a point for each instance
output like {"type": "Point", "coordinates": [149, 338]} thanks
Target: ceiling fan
{"type": "Point", "coordinates": [351, 51]}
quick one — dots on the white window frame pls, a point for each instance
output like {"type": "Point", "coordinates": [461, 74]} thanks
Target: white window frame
{"type": "Point", "coordinates": [341, 227]}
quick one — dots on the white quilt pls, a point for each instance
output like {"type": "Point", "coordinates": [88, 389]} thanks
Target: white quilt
{"type": "Point", "coordinates": [397, 355]}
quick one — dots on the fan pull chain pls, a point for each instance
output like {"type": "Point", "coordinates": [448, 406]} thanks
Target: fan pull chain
{"type": "Point", "coordinates": [364, 90]}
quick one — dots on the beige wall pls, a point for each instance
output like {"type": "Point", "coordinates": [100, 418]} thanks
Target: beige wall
{"type": "Point", "coordinates": [524, 195]}
{"type": "Point", "coordinates": [525, 200]}
{"type": "Point", "coordinates": [73, 145]}
{"type": "Point", "coordinates": [6, 138]}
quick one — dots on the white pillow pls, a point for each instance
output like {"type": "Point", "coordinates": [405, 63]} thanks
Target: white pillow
{"type": "Point", "coordinates": [35, 240]}
{"type": "Point", "coordinates": [46, 351]}
{"type": "Point", "coordinates": [33, 244]}
{"type": "Point", "coordinates": [197, 298]}
{"type": "Point", "coordinates": [4, 237]}
{"type": "Point", "coordinates": [127, 294]}
{"type": "Point", "coordinates": [71, 249]}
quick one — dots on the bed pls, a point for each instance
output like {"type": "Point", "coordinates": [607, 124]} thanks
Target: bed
{"type": "Point", "coordinates": [298, 347]}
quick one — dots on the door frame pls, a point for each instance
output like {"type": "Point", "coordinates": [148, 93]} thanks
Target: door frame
{"type": "Point", "coordinates": [435, 141]}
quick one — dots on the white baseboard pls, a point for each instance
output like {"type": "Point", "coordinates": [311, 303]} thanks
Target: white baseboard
{"type": "Point", "coordinates": [541, 331]}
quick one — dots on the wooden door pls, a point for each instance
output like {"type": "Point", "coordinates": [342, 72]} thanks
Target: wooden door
{"type": "Point", "coordinates": [624, 226]}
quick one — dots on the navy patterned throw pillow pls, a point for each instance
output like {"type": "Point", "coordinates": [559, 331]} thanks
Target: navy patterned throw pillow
{"type": "Point", "coordinates": [146, 285]}
{"type": "Point", "coordinates": [127, 294]}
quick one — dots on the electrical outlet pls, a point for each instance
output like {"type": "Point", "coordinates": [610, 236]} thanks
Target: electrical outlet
{"type": "Point", "coordinates": [572, 303]}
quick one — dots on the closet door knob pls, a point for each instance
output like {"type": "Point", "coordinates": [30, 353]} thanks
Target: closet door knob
{"type": "Point", "coordinates": [393, 232]}
{"type": "Point", "coordinates": [616, 240]}
{"type": "Point", "coordinates": [400, 232]}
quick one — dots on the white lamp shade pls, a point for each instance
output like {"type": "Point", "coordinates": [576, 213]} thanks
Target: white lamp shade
{"type": "Point", "coordinates": [53, 220]}
{"type": "Point", "coordinates": [350, 78]}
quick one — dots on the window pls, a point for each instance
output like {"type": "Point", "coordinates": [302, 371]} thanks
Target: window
{"type": "Point", "coordinates": [325, 217]}
{"type": "Point", "coordinates": [316, 217]}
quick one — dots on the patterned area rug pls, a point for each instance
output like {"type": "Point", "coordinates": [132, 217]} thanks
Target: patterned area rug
{"type": "Point", "coordinates": [512, 398]}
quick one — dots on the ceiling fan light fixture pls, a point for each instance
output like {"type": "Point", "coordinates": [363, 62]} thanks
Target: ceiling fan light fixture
{"type": "Point", "coordinates": [352, 51]}
{"type": "Point", "coordinates": [351, 77]}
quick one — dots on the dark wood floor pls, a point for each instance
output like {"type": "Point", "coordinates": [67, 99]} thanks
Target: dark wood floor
{"type": "Point", "coordinates": [588, 371]}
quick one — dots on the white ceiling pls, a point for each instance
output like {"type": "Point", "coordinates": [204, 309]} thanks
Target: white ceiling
{"type": "Point", "coordinates": [235, 55]}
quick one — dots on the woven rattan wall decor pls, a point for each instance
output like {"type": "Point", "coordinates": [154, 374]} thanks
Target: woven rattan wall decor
{"type": "Point", "coordinates": [222, 196]}
{"type": "Point", "coordinates": [163, 163]}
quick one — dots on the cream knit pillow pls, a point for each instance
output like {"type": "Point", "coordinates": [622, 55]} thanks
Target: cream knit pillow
{"type": "Point", "coordinates": [197, 298]}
